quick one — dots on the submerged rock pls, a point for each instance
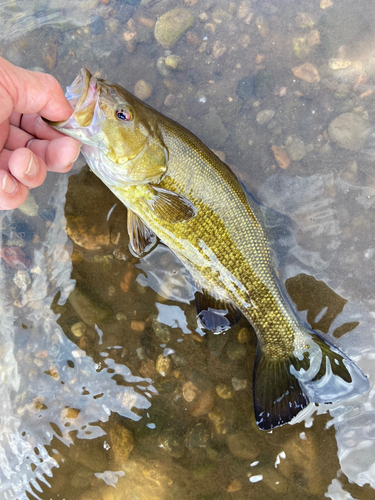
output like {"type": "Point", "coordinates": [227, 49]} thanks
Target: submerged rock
{"type": "Point", "coordinates": [122, 443]}
{"type": "Point", "coordinates": [306, 72]}
{"type": "Point", "coordinates": [349, 131]}
{"type": "Point", "coordinates": [242, 446]}
{"type": "Point", "coordinates": [170, 26]}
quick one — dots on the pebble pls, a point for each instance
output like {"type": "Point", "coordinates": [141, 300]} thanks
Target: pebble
{"type": "Point", "coordinates": [244, 41]}
{"type": "Point", "coordinates": [325, 4]}
{"type": "Point", "coordinates": [224, 391]}
{"type": "Point", "coordinates": [235, 485]}
{"type": "Point", "coordinates": [239, 383]}
{"type": "Point", "coordinates": [313, 38]}
{"type": "Point", "coordinates": [193, 39]}
{"type": "Point", "coordinates": [121, 442]}
{"type": "Point", "coordinates": [304, 20]}
{"type": "Point", "coordinates": [306, 72]}
{"type": "Point", "coordinates": [189, 391]}
{"type": "Point", "coordinates": [70, 412]}
{"type": "Point", "coordinates": [142, 90]}
{"type": "Point", "coordinates": [48, 214]}
{"type": "Point", "coordinates": [349, 131]}
{"type": "Point", "coordinates": [243, 336]}
{"type": "Point", "coordinates": [218, 49]}
{"type": "Point", "coordinates": [137, 326]}
{"type": "Point", "coordinates": [23, 230]}
{"type": "Point", "coordinates": [174, 62]}
{"type": "Point", "coordinates": [295, 148]}
{"type": "Point", "coordinates": [147, 368]}
{"type": "Point", "coordinates": [218, 418]}
{"type": "Point", "coordinates": [22, 279]}
{"type": "Point", "coordinates": [199, 437]}
{"type": "Point", "coordinates": [163, 365]}
{"type": "Point", "coordinates": [88, 237]}
{"type": "Point", "coordinates": [161, 67]}
{"type": "Point", "coordinates": [265, 116]}
{"type": "Point", "coordinates": [15, 258]}
{"type": "Point", "coordinates": [281, 156]}
{"type": "Point", "coordinates": [169, 100]}
{"type": "Point", "coordinates": [301, 48]}
{"type": "Point", "coordinates": [29, 207]}
{"type": "Point", "coordinates": [90, 311]}
{"type": "Point", "coordinates": [243, 9]}
{"type": "Point", "coordinates": [170, 26]}
{"type": "Point", "coordinates": [242, 446]}
{"type": "Point", "coordinates": [161, 330]}
{"type": "Point", "coordinates": [235, 350]}
{"type": "Point", "coordinates": [79, 329]}
{"type": "Point", "coordinates": [204, 404]}
{"type": "Point", "coordinates": [97, 25]}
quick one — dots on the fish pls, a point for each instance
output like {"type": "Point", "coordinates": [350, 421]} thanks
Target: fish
{"type": "Point", "coordinates": [179, 192]}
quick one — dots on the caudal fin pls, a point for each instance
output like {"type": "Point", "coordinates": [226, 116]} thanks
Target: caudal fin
{"type": "Point", "coordinates": [322, 374]}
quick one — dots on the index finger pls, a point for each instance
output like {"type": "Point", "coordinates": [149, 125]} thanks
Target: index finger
{"type": "Point", "coordinates": [29, 92]}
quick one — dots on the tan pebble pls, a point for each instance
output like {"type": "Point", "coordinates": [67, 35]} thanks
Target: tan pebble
{"type": "Point", "coordinates": [189, 391]}
{"type": "Point", "coordinates": [70, 412]}
{"type": "Point", "coordinates": [282, 91]}
{"type": "Point", "coordinates": [122, 443]}
{"type": "Point", "coordinates": [142, 90]}
{"type": "Point", "coordinates": [203, 16]}
{"type": "Point", "coordinates": [147, 368]}
{"type": "Point", "coordinates": [105, 2]}
{"type": "Point", "coordinates": [202, 47]}
{"type": "Point", "coordinates": [339, 63]}
{"type": "Point", "coordinates": [129, 35]}
{"type": "Point", "coordinates": [168, 101]}
{"type": "Point", "coordinates": [239, 383]}
{"type": "Point", "coordinates": [204, 404]}
{"type": "Point", "coordinates": [243, 9]}
{"type": "Point", "coordinates": [224, 391]}
{"type": "Point", "coordinates": [368, 93]}
{"type": "Point", "coordinates": [235, 485]}
{"type": "Point", "coordinates": [218, 49]}
{"type": "Point", "coordinates": [79, 329]}
{"type": "Point", "coordinates": [146, 22]}
{"type": "Point", "coordinates": [131, 45]}
{"type": "Point", "coordinates": [281, 156]}
{"type": "Point", "coordinates": [313, 38]}
{"type": "Point", "coordinates": [126, 280]}
{"type": "Point", "coordinates": [360, 80]}
{"type": "Point", "coordinates": [174, 62]}
{"type": "Point", "coordinates": [306, 72]}
{"type": "Point", "coordinates": [259, 59]}
{"type": "Point", "coordinates": [39, 405]}
{"type": "Point", "coordinates": [244, 41]}
{"type": "Point", "coordinates": [210, 28]}
{"type": "Point", "coordinates": [52, 372]}
{"type": "Point", "coordinates": [192, 38]}
{"type": "Point", "coordinates": [191, 2]}
{"type": "Point", "coordinates": [243, 336]}
{"type": "Point", "coordinates": [137, 326]}
{"type": "Point", "coordinates": [163, 365]}
{"type": "Point", "coordinates": [217, 416]}
{"type": "Point", "coordinates": [262, 26]}
{"type": "Point", "coordinates": [325, 4]}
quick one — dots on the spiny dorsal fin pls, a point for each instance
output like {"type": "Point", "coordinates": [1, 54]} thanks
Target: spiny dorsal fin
{"type": "Point", "coordinates": [169, 206]}
{"type": "Point", "coordinates": [142, 239]}
{"type": "Point", "coordinates": [214, 314]}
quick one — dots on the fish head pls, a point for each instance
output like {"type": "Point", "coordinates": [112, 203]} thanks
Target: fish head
{"type": "Point", "coordinates": [121, 138]}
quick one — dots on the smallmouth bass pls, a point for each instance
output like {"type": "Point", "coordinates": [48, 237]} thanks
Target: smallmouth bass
{"type": "Point", "coordinates": [177, 190]}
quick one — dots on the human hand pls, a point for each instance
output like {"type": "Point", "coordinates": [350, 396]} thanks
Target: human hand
{"type": "Point", "coordinates": [28, 146]}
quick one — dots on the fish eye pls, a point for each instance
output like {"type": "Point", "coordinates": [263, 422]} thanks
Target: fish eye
{"type": "Point", "coordinates": [124, 115]}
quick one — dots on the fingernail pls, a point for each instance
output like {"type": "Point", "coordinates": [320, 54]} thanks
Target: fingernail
{"type": "Point", "coordinates": [9, 185]}
{"type": "Point", "coordinates": [32, 168]}
{"type": "Point", "coordinates": [79, 152]}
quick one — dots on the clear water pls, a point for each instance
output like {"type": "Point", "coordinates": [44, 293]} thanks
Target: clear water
{"type": "Point", "coordinates": [94, 411]}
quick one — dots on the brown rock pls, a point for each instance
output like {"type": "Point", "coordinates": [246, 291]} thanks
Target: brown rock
{"type": "Point", "coordinates": [122, 443]}
{"type": "Point", "coordinates": [142, 90]}
{"type": "Point", "coordinates": [306, 72]}
{"type": "Point", "coordinates": [15, 257]}
{"type": "Point", "coordinates": [281, 156]}
{"type": "Point", "coordinates": [204, 405]}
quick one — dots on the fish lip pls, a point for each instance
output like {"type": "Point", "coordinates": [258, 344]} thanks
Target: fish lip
{"type": "Point", "coordinates": [80, 94]}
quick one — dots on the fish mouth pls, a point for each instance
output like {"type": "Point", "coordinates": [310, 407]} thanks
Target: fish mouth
{"type": "Point", "coordinates": [82, 96]}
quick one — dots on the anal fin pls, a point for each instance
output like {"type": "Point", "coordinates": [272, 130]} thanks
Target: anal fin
{"type": "Point", "coordinates": [142, 239]}
{"type": "Point", "coordinates": [214, 314]}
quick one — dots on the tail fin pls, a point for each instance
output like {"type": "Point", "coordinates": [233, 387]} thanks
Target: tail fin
{"type": "Point", "coordinates": [283, 388]}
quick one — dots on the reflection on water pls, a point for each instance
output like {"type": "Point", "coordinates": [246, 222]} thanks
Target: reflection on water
{"type": "Point", "coordinates": [109, 389]}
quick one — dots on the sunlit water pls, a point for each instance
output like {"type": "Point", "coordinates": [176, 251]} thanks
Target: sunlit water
{"type": "Point", "coordinates": [109, 389]}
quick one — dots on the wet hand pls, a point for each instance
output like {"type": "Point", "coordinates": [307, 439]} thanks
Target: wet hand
{"type": "Point", "coordinates": [28, 146]}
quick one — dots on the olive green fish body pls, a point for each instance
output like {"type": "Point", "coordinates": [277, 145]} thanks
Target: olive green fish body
{"type": "Point", "coordinates": [176, 189]}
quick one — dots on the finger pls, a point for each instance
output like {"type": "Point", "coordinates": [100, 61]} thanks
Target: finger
{"type": "Point", "coordinates": [30, 92]}
{"type": "Point", "coordinates": [4, 130]}
{"type": "Point", "coordinates": [12, 193]}
{"type": "Point", "coordinates": [15, 119]}
{"type": "Point", "coordinates": [17, 138]}
{"type": "Point", "coordinates": [27, 168]}
{"type": "Point", "coordinates": [59, 155]}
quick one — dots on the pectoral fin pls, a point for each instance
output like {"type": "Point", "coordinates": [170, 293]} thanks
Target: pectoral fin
{"type": "Point", "coordinates": [142, 239]}
{"type": "Point", "coordinates": [214, 314]}
{"type": "Point", "coordinates": [169, 206]}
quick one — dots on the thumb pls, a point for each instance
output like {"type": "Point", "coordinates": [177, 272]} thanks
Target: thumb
{"type": "Point", "coordinates": [29, 92]}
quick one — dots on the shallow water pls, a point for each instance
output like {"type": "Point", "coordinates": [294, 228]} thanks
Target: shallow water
{"type": "Point", "coordinates": [109, 390]}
